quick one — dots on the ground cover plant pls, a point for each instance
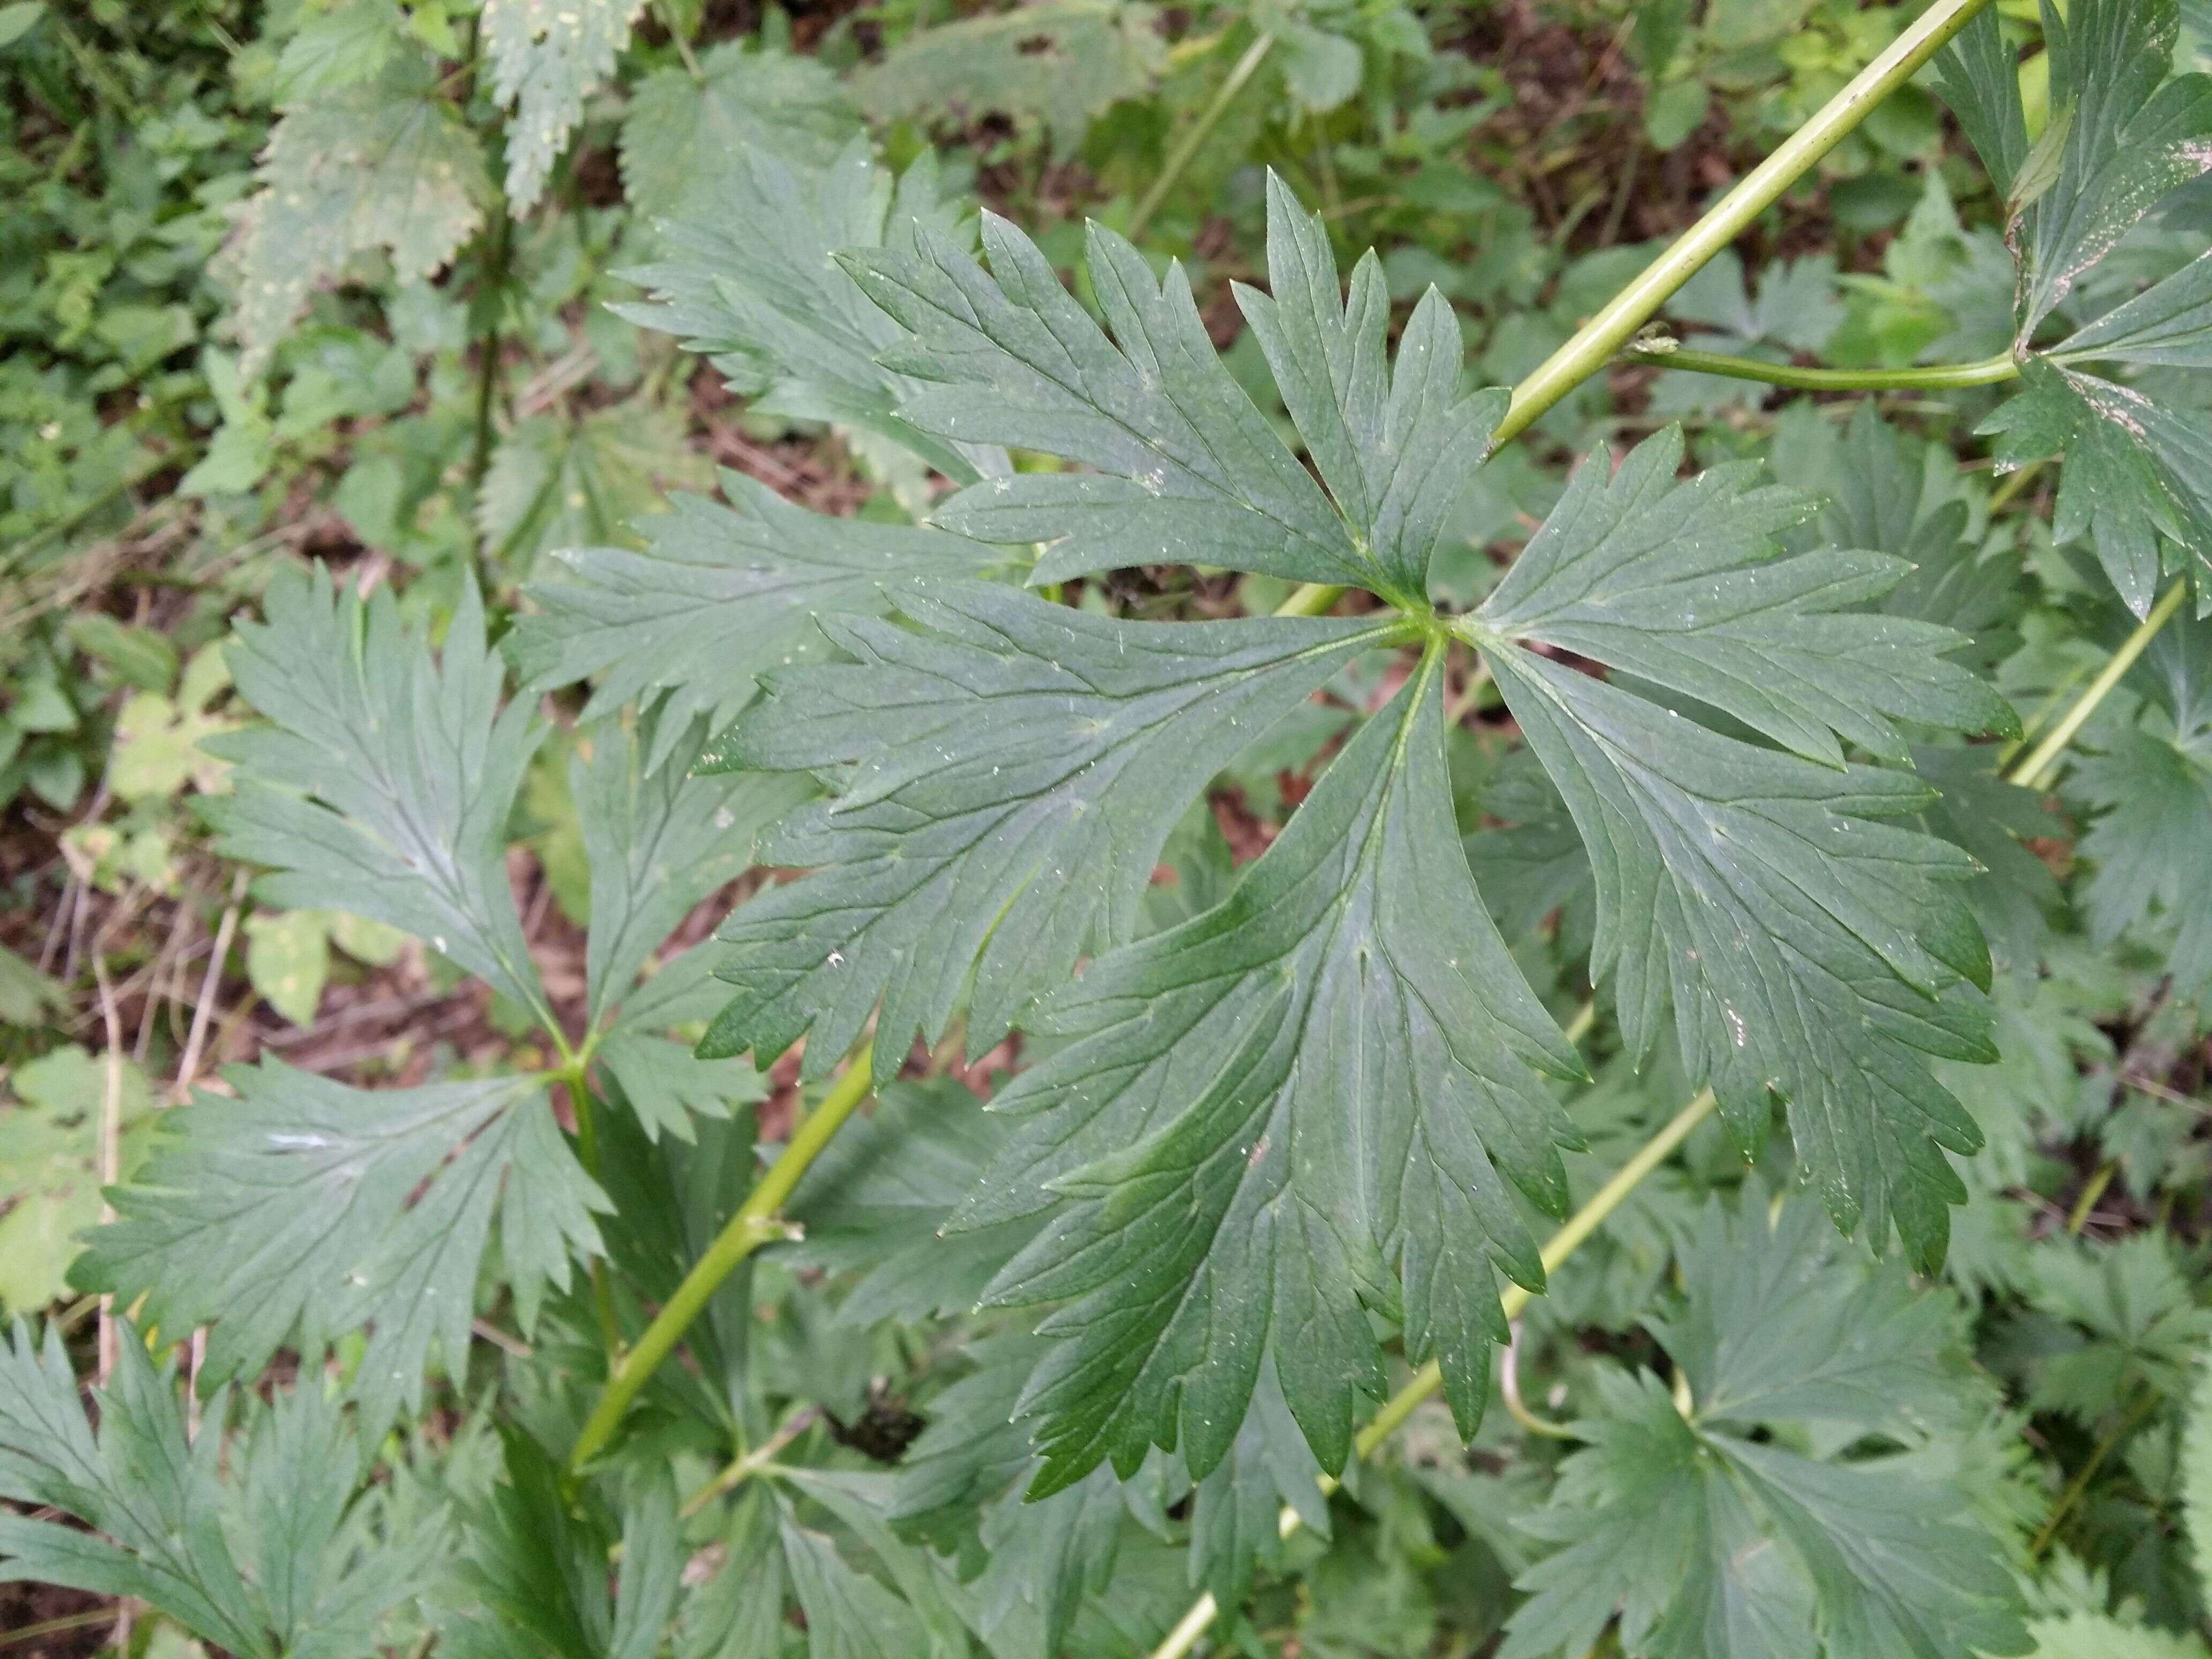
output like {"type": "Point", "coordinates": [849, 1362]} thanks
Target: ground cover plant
{"type": "Point", "coordinates": [1077, 830]}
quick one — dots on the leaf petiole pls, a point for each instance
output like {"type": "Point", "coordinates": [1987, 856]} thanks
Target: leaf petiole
{"type": "Point", "coordinates": [1593, 344]}
{"type": "Point", "coordinates": [757, 1222]}
{"type": "Point", "coordinates": [1989, 372]}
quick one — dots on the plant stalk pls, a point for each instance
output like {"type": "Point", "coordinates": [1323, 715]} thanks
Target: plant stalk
{"type": "Point", "coordinates": [1430, 1378]}
{"type": "Point", "coordinates": [1597, 341]}
{"type": "Point", "coordinates": [2034, 772]}
{"type": "Point", "coordinates": [756, 1223]}
{"type": "Point", "coordinates": [1179, 157]}
{"type": "Point", "coordinates": [1989, 372]}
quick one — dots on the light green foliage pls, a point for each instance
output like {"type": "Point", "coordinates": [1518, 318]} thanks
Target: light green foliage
{"type": "Point", "coordinates": [547, 56]}
{"type": "Point", "coordinates": [166, 1519]}
{"type": "Point", "coordinates": [1061, 63]}
{"type": "Point", "coordinates": [50, 1163]}
{"type": "Point", "coordinates": [381, 165]}
{"type": "Point", "coordinates": [556, 482]}
{"type": "Point", "coordinates": [686, 141]}
{"type": "Point", "coordinates": [2122, 137]}
{"type": "Point", "coordinates": [291, 1198]}
{"type": "Point", "coordinates": [2151, 784]}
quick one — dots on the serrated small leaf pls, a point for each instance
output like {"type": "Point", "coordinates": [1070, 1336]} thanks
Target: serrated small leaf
{"type": "Point", "coordinates": [685, 139]}
{"type": "Point", "coordinates": [2151, 788]}
{"type": "Point", "coordinates": [1059, 62]}
{"type": "Point", "coordinates": [289, 1213]}
{"type": "Point", "coordinates": [556, 482]}
{"type": "Point", "coordinates": [383, 785]}
{"type": "Point", "coordinates": [1708, 1539]}
{"type": "Point", "coordinates": [387, 164]}
{"type": "Point", "coordinates": [876, 1202]}
{"type": "Point", "coordinates": [153, 1499]}
{"type": "Point", "coordinates": [546, 57]}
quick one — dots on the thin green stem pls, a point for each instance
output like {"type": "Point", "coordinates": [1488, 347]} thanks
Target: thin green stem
{"type": "Point", "coordinates": [2006, 493]}
{"type": "Point", "coordinates": [587, 1152]}
{"type": "Point", "coordinates": [757, 1222]}
{"type": "Point", "coordinates": [1989, 372]}
{"type": "Point", "coordinates": [2048, 1532]}
{"type": "Point", "coordinates": [1179, 157]}
{"type": "Point", "coordinates": [1313, 599]}
{"type": "Point", "coordinates": [761, 1457]}
{"type": "Point", "coordinates": [2035, 772]}
{"type": "Point", "coordinates": [1597, 341]}
{"type": "Point", "coordinates": [1430, 1378]}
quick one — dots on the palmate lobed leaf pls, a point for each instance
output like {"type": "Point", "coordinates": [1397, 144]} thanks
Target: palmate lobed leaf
{"type": "Point", "coordinates": [2124, 135]}
{"type": "Point", "coordinates": [1810, 954]}
{"type": "Point", "coordinates": [264, 1560]}
{"type": "Point", "coordinates": [1709, 1537]}
{"type": "Point", "coordinates": [1308, 1103]}
{"type": "Point", "coordinates": [283, 1214]}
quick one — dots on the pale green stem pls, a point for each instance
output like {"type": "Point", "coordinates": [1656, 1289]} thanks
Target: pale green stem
{"type": "Point", "coordinates": [1597, 341]}
{"type": "Point", "coordinates": [1989, 372]}
{"type": "Point", "coordinates": [756, 1223]}
{"type": "Point", "coordinates": [1179, 157]}
{"type": "Point", "coordinates": [761, 1457]}
{"type": "Point", "coordinates": [2034, 772]}
{"type": "Point", "coordinates": [1427, 1380]}
{"type": "Point", "coordinates": [1313, 599]}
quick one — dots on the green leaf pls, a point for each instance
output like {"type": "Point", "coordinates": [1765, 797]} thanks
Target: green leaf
{"type": "Point", "coordinates": [966, 1473]}
{"type": "Point", "coordinates": [749, 281]}
{"type": "Point", "coordinates": [1979, 76]}
{"type": "Point", "coordinates": [26, 995]}
{"type": "Point", "coordinates": [535, 1579]}
{"type": "Point", "coordinates": [658, 841]}
{"type": "Point", "coordinates": [1708, 1539]}
{"type": "Point", "coordinates": [288, 960]}
{"type": "Point", "coordinates": [2152, 788]}
{"type": "Point", "coordinates": [718, 596]}
{"type": "Point", "coordinates": [546, 57]}
{"type": "Point", "coordinates": [2196, 1471]}
{"type": "Point", "coordinates": [1235, 1510]}
{"type": "Point", "coordinates": [50, 1164]}
{"type": "Point", "coordinates": [666, 1084]}
{"type": "Point", "coordinates": [1812, 955]}
{"type": "Point", "coordinates": [1058, 61]}
{"type": "Point", "coordinates": [875, 1202]}
{"type": "Point", "coordinates": [387, 164]}
{"type": "Point", "coordinates": [1782, 1320]}
{"type": "Point", "coordinates": [2143, 1327]}
{"type": "Point", "coordinates": [2123, 138]}
{"type": "Point", "coordinates": [2087, 1636]}
{"type": "Point", "coordinates": [384, 784]}
{"type": "Point", "coordinates": [341, 47]}
{"type": "Point", "coordinates": [556, 482]}
{"type": "Point", "coordinates": [1184, 469]}
{"type": "Point", "coordinates": [154, 1500]}
{"type": "Point", "coordinates": [1260, 1114]}
{"type": "Point", "coordinates": [980, 765]}
{"type": "Point", "coordinates": [2136, 471]}
{"type": "Point", "coordinates": [286, 1214]}
{"type": "Point", "coordinates": [1676, 583]}
{"type": "Point", "coordinates": [849, 1615]}
{"type": "Point", "coordinates": [685, 139]}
